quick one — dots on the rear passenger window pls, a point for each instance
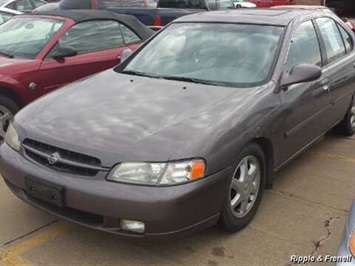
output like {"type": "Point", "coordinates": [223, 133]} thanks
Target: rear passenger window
{"type": "Point", "coordinates": [348, 41]}
{"type": "Point", "coordinates": [333, 41]}
{"type": "Point", "coordinates": [304, 47]}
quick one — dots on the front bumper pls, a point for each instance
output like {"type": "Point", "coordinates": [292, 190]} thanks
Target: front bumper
{"type": "Point", "coordinates": [99, 204]}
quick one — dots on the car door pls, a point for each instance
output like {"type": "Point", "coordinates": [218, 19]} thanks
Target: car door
{"type": "Point", "coordinates": [306, 106]}
{"type": "Point", "coordinates": [340, 60]}
{"type": "Point", "coordinates": [99, 44]}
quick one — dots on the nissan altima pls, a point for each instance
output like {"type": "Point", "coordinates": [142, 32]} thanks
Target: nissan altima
{"type": "Point", "coordinates": [189, 130]}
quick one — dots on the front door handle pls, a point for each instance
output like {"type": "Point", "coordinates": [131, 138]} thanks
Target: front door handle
{"type": "Point", "coordinates": [326, 87]}
{"type": "Point", "coordinates": [325, 84]}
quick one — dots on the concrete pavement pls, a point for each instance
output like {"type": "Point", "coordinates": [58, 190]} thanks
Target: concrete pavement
{"type": "Point", "coordinates": [303, 214]}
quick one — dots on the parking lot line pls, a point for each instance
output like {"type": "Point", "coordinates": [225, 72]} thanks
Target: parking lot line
{"type": "Point", "coordinates": [11, 255]}
{"type": "Point", "coordinates": [341, 158]}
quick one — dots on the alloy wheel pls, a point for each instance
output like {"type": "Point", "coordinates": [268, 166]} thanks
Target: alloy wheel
{"type": "Point", "coordinates": [245, 186]}
{"type": "Point", "coordinates": [352, 115]}
{"type": "Point", "coordinates": [5, 118]}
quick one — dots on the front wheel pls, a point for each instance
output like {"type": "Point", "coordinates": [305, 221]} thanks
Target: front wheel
{"type": "Point", "coordinates": [8, 109]}
{"type": "Point", "coordinates": [238, 6]}
{"type": "Point", "coordinates": [246, 189]}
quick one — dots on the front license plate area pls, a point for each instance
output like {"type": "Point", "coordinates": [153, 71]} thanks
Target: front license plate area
{"type": "Point", "coordinates": [45, 191]}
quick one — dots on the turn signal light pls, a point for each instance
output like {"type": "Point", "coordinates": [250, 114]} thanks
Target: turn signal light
{"type": "Point", "coordinates": [352, 243]}
{"type": "Point", "coordinates": [197, 169]}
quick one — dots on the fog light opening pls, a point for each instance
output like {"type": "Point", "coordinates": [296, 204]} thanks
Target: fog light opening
{"type": "Point", "coordinates": [132, 226]}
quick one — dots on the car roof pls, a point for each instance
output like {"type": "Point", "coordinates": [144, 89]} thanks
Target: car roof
{"type": "Point", "coordinates": [88, 15]}
{"type": "Point", "coordinates": [83, 15]}
{"type": "Point", "coordinates": [267, 16]}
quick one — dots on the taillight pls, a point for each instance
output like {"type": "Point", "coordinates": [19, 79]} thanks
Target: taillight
{"type": "Point", "coordinates": [157, 19]}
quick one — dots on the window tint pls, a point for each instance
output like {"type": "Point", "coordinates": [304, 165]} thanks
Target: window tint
{"type": "Point", "coordinates": [128, 35]}
{"type": "Point", "coordinates": [333, 41]}
{"type": "Point", "coordinates": [304, 47]}
{"type": "Point", "coordinates": [347, 39]}
{"type": "Point", "coordinates": [91, 36]}
{"type": "Point", "coordinates": [24, 5]}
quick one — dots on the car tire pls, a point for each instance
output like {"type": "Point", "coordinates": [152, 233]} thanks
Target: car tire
{"type": "Point", "coordinates": [347, 125]}
{"type": "Point", "coordinates": [8, 108]}
{"type": "Point", "coordinates": [235, 216]}
{"type": "Point", "coordinates": [238, 6]}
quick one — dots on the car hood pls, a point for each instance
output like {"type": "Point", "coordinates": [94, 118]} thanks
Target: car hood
{"type": "Point", "coordinates": [118, 117]}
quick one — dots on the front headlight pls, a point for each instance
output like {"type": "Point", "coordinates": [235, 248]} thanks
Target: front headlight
{"type": "Point", "coordinates": [158, 173]}
{"type": "Point", "coordinates": [11, 138]}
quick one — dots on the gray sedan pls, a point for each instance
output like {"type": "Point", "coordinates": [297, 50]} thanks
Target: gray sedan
{"type": "Point", "coordinates": [188, 130]}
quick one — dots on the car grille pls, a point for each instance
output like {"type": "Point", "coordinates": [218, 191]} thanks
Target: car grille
{"type": "Point", "coordinates": [68, 161]}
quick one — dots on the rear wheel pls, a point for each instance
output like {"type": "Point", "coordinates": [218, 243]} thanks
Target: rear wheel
{"type": "Point", "coordinates": [238, 6]}
{"type": "Point", "coordinates": [8, 108]}
{"type": "Point", "coordinates": [246, 189]}
{"type": "Point", "coordinates": [347, 125]}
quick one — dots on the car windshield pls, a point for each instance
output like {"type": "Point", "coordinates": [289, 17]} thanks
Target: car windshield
{"type": "Point", "coordinates": [218, 54]}
{"type": "Point", "coordinates": [25, 37]}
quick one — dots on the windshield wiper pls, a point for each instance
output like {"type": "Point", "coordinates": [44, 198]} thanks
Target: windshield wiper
{"type": "Point", "coordinates": [194, 80]}
{"type": "Point", "coordinates": [138, 73]}
{"type": "Point", "coordinates": [6, 54]}
{"type": "Point", "coordinates": [177, 78]}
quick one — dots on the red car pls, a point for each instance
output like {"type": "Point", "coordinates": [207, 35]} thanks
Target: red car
{"type": "Point", "coordinates": [43, 51]}
{"type": "Point", "coordinates": [270, 3]}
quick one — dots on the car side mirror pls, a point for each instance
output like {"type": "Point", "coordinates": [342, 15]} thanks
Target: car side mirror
{"type": "Point", "coordinates": [125, 54]}
{"type": "Point", "coordinates": [299, 74]}
{"type": "Point", "coordinates": [63, 52]}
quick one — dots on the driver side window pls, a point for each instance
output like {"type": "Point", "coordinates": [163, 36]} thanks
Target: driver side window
{"type": "Point", "coordinates": [304, 47]}
{"type": "Point", "coordinates": [90, 36]}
